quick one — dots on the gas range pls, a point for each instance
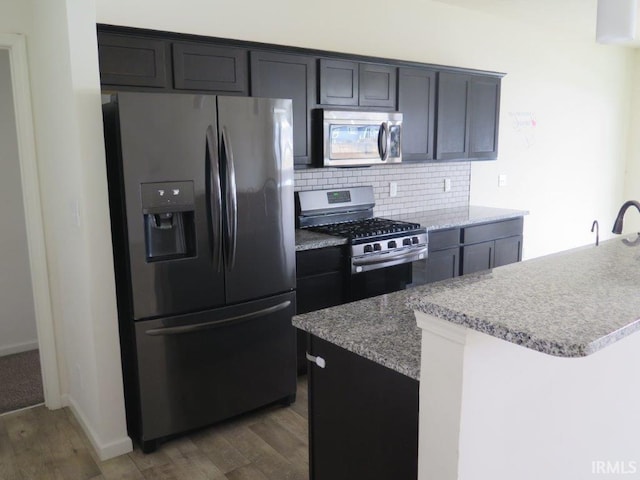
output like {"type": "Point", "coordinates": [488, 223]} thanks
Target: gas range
{"type": "Point", "coordinates": [348, 212]}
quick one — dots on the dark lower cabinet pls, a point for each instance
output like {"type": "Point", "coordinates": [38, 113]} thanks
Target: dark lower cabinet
{"type": "Point", "coordinates": [458, 251]}
{"type": "Point", "coordinates": [320, 279]}
{"type": "Point", "coordinates": [126, 60]}
{"type": "Point", "coordinates": [280, 75]}
{"type": "Point", "coordinates": [507, 250]}
{"type": "Point", "coordinates": [477, 257]}
{"type": "Point", "coordinates": [443, 264]}
{"type": "Point", "coordinates": [363, 418]}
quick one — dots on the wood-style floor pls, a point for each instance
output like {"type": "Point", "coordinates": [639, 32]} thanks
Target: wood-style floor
{"type": "Point", "coordinates": [271, 444]}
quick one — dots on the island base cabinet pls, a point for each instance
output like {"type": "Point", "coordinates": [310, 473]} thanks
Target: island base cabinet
{"type": "Point", "coordinates": [363, 418]}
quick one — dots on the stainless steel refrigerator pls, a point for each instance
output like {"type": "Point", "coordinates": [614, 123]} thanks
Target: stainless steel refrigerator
{"type": "Point", "coordinates": [202, 214]}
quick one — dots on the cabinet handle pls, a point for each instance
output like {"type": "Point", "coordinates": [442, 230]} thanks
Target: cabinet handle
{"type": "Point", "coordinates": [319, 361]}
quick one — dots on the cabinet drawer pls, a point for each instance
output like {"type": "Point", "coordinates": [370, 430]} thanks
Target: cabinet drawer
{"type": "Point", "coordinates": [441, 239]}
{"type": "Point", "coordinates": [492, 231]}
{"type": "Point", "coordinates": [317, 261]}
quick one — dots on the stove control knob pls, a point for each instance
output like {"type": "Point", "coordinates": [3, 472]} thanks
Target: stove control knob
{"type": "Point", "coordinates": [368, 249]}
{"type": "Point", "coordinates": [415, 240]}
{"type": "Point", "coordinates": [392, 244]}
{"type": "Point", "coordinates": [377, 247]}
{"type": "Point", "coordinates": [406, 241]}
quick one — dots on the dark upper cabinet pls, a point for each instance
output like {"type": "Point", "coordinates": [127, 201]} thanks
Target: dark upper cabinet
{"type": "Point", "coordinates": [377, 85]}
{"type": "Point", "coordinates": [467, 117]}
{"type": "Point", "coordinates": [484, 105]}
{"type": "Point", "coordinates": [348, 83]}
{"type": "Point", "coordinates": [281, 75]}
{"type": "Point", "coordinates": [338, 82]}
{"type": "Point", "coordinates": [132, 61]}
{"type": "Point", "coordinates": [416, 102]}
{"type": "Point", "coordinates": [210, 68]}
{"type": "Point", "coordinates": [452, 127]}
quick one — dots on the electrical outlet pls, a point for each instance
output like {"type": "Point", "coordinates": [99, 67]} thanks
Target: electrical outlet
{"type": "Point", "coordinates": [502, 180]}
{"type": "Point", "coordinates": [447, 184]}
{"type": "Point", "coordinates": [393, 189]}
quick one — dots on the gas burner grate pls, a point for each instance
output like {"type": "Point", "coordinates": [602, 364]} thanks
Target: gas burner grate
{"type": "Point", "coordinates": [366, 228]}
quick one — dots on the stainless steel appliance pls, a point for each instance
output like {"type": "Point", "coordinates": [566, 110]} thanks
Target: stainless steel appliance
{"type": "Point", "coordinates": [357, 138]}
{"type": "Point", "coordinates": [202, 212]}
{"type": "Point", "coordinates": [381, 250]}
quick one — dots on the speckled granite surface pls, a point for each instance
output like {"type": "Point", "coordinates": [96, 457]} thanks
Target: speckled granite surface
{"type": "Point", "coordinates": [458, 217]}
{"type": "Point", "coordinates": [307, 240]}
{"type": "Point", "coordinates": [569, 304]}
{"type": "Point", "coordinates": [382, 329]}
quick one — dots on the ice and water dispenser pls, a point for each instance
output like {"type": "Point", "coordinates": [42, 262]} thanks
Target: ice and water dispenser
{"type": "Point", "coordinates": [169, 229]}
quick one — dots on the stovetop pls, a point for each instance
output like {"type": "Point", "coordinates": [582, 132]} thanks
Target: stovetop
{"type": "Point", "coordinates": [368, 228]}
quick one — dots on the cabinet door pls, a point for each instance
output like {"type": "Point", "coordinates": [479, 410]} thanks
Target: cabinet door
{"type": "Point", "coordinates": [452, 127]}
{"type": "Point", "coordinates": [338, 82]}
{"type": "Point", "coordinates": [363, 418]}
{"type": "Point", "coordinates": [484, 113]}
{"type": "Point", "coordinates": [478, 257]}
{"type": "Point", "coordinates": [132, 61]}
{"type": "Point", "coordinates": [508, 250]}
{"type": "Point", "coordinates": [416, 102]}
{"type": "Point", "coordinates": [377, 85]}
{"type": "Point", "coordinates": [206, 67]}
{"type": "Point", "coordinates": [280, 75]}
{"type": "Point", "coordinates": [443, 264]}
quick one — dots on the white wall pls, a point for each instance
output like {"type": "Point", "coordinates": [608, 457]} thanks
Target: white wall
{"type": "Point", "coordinates": [632, 177]}
{"type": "Point", "coordinates": [17, 316]}
{"type": "Point", "coordinates": [578, 91]}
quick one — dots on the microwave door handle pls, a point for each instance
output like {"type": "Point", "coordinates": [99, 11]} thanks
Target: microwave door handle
{"type": "Point", "coordinates": [215, 197]}
{"type": "Point", "coordinates": [231, 201]}
{"type": "Point", "coordinates": [383, 141]}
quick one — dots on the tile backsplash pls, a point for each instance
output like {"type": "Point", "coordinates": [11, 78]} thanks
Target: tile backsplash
{"type": "Point", "coordinates": [420, 186]}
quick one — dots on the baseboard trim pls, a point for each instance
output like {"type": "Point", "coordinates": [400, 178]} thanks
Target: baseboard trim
{"type": "Point", "coordinates": [107, 450]}
{"type": "Point", "coordinates": [18, 348]}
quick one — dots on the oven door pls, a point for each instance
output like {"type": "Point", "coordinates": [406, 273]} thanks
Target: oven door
{"type": "Point", "coordinates": [361, 138]}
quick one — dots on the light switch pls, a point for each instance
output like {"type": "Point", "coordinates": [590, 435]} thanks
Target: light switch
{"type": "Point", "coordinates": [502, 180]}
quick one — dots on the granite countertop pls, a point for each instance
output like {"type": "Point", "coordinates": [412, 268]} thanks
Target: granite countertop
{"type": "Point", "coordinates": [382, 329]}
{"type": "Point", "coordinates": [308, 240]}
{"type": "Point", "coordinates": [430, 219]}
{"type": "Point", "coordinates": [569, 304]}
{"type": "Point", "coordinates": [458, 217]}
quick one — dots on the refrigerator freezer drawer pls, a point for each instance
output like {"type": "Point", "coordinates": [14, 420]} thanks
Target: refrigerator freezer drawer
{"type": "Point", "coordinates": [195, 370]}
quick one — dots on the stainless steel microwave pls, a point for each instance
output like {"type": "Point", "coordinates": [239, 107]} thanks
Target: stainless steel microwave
{"type": "Point", "coordinates": [354, 138]}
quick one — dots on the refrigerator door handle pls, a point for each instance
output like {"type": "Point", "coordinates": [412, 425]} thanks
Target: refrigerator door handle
{"type": "Point", "coordinates": [215, 197]}
{"type": "Point", "coordinates": [219, 323]}
{"type": "Point", "coordinates": [231, 200]}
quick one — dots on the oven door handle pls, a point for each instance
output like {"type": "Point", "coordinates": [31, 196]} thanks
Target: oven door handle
{"type": "Point", "coordinates": [383, 258]}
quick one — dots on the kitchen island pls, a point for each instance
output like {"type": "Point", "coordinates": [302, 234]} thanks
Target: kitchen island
{"type": "Point", "coordinates": [563, 407]}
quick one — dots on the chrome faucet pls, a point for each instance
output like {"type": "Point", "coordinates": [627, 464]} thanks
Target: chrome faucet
{"type": "Point", "coordinates": [617, 226]}
{"type": "Point", "coordinates": [595, 226]}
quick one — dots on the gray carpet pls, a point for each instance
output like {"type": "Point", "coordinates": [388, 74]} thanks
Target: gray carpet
{"type": "Point", "coordinates": [20, 381]}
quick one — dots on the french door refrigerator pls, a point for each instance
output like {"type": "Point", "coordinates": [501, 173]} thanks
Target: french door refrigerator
{"type": "Point", "coordinates": [202, 214]}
